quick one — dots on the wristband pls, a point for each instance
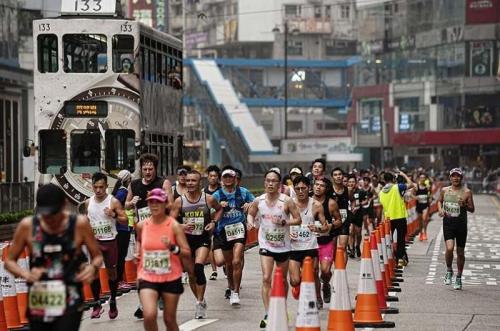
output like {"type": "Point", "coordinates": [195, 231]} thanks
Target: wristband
{"type": "Point", "coordinates": [176, 250]}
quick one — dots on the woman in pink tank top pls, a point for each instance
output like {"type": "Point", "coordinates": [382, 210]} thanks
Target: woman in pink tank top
{"type": "Point", "coordinates": [161, 244]}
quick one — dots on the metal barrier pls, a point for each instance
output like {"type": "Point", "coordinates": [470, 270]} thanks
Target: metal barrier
{"type": "Point", "coordinates": [15, 197]}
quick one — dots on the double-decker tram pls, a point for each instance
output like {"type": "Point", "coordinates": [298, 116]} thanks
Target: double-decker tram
{"type": "Point", "coordinates": [106, 90]}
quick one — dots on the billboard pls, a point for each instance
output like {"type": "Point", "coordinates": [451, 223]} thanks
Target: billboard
{"type": "Point", "coordinates": [482, 11]}
{"type": "Point", "coordinates": [153, 13]}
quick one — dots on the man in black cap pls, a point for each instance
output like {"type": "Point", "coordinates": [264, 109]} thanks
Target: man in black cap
{"type": "Point", "coordinates": [58, 266]}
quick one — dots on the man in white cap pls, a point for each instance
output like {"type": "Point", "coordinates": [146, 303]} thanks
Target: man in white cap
{"type": "Point", "coordinates": [453, 204]}
{"type": "Point", "coordinates": [230, 233]}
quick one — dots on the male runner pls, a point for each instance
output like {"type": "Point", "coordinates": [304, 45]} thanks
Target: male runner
{"type": "Point", "coordinates": [303, 239]}
{"type": "Point", "coordinates": [358, 198]}
{"type": "Point", "coordinates": [377, 207]}
{"type": "Point", "coordinates": [138, 191]}
{"type": "Point", "coordinates": [274, 213]}
{"type": "Point", "coordinates": [327, 241]}
{"type": "Point", "coordinates": [230, 232]}
{"type": "Point", "coordinates": [341, 195]}
{"type": "Point", "coordinates": [453, 204]}
{"type": "Point", "coordinates": [196, 221]}
{"type": "Point", "coordinates": [295, 172]}
{"type": "Point", "coordinates": [103, 211]}
{"type": "Point", "coordinates": [179, 188]}
{"type": "Point", "coordinates": [367, 206]}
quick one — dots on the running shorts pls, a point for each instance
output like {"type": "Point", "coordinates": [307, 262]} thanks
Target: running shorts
{"type": "Point", "coordinates": [196, 242]}
{"type": "Point", "coordinates": [455, 229]}
{"type": "Point", "coordinates": [299, 256]}
{"type": "Point", "coordinates": [278, 257]}
{"type": "Point", "coordinates": [109, 251]}
{"type": "Point", "coordinates": [220, 241]}
{"type": "Point", "coordinates": [327, 251]}
{"type": "Point", "coordinates": [174, 286]}
{"type": "Point", "coordinates": [421, 207]}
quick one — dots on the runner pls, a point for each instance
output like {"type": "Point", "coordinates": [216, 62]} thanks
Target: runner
{"type": "Point", "coordinates": [58, 266]}
{"type": "Point", "coordinates": [367, 206]}
{"type": "Point", "coordinates": [391, 198]}
{"type": "Point", "coordinates": [161, 244]}
{"type": "Point", "coordinates": [179, 188]}
{"type": "Point", "coordinates": [104, 211]}
{"type": "Point", "coordinates": [273, 213]}
{"type": "Point", "coordinates": [213, 184]}
{"type": "Point", "coordinates": [120, 192]}
{"type": "Point", "coordinates": [377, 207]}
{"type": "Point", "coordinates": [327, 241]}
{"type": "Point", "coordinates": [318, 168]}
{"type": "Point", "coordinates": [422, 194]}
{"type": "Point", "coordinates": [195, 219]}
{"type": "Point", "coordinates": [230, 232]}
{"type": "Point", "coordinates": [341, 195]}
{"type": "Point", "coordinates": [453, 204]}
{"type": "Point", "coordinates": [303, 238]}
{"type": "Point", "coordinates": [358, 198]}
{"type": "Point", "coordinates": [139, 188]}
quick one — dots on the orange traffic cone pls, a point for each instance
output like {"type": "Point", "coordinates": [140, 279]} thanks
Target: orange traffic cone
{"type": "Point", "coordinates": [22, 289]}
{"type": "Point", "coordinates": [307, 314]}
{"type": "Point", "coordinates": [386, 280]}
{"type": "Point", "coordinates": [379, 281]}
{"type": "Point", "coordinates": [340, 315]}
{"type": "Point", "coordinates": [104, 280]}
{"type": "Point", "coordinates": [367, 313]}
{"type": "Point", "coordinates": [389, 249]}
{"type": "Point", "coordinates": [391, 285]}
{"type": "Point", "coordinates": [277, 319]}
{"type": "Point", "coordinates": [130, 271]}
{"type": "Point", "coordinates": [8, 283]}
{"type": "Point", "coordinates": [3, 323]}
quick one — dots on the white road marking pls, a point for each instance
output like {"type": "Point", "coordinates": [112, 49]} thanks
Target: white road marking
{"type": "Point", "coordinates": [195, 324]}
{"type": "Point", "coordinates": [435, 253]}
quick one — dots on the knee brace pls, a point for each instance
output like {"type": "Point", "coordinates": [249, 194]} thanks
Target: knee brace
{"type": "Point", "coordinates": [199, 272]}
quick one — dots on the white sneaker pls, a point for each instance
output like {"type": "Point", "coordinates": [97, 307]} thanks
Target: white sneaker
{"type": "Point", "coordinates": [185, 278]}
{"type": "Point", "coordinates": [201, 310]}
{"type": "Point", "coordinates": [234, 300]}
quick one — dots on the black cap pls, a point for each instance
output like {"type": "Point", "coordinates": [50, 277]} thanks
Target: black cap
{"type": "Point", "coordinates": [50, 199]}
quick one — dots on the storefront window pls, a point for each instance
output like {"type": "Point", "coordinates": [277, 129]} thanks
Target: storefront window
{"type": "Point", "coordinates": [369, 116]}
{"type": "Point", "coordinates": [412, 117]}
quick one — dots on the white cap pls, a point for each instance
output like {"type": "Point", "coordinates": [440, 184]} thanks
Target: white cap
{"type": "Point", "coordinates": [229, 172]}
{"type": "Point", "coordinates": [124, 175]}
{"type": "Point", "coordinates": [295, 171]}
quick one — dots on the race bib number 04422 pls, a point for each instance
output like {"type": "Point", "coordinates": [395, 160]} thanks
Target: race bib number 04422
{"type": "Point", "coordinates": [47, 298]}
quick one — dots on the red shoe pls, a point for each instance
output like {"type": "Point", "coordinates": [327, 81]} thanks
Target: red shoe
{"type": "Point", "coordinates": [296, 292]}
{"type": "Point", "coordinates": [421, 236]}
{"type": "Point", "coordinates": [424, 236]}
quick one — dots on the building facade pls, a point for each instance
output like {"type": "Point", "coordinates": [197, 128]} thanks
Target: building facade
{"type": "Point", "coordinates": [430, 72]}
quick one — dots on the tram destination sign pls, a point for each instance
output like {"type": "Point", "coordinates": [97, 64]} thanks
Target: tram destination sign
{"type": "Point", "coordinates": [88, 7]}
{"type": "Point", "coordinates": [85, 109]}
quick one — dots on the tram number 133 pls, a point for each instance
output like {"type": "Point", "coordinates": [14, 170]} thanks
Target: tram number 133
{"type": "Point", "coordinates": [88, 5]}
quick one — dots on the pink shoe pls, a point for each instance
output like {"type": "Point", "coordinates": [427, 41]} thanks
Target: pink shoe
{"type": "Point", "coordinates": [113, 311]}
{"type": "Point", "coordinates": [97, 312]}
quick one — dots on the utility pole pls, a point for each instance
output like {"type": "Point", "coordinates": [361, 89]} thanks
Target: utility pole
{"type": "Point", "coordinates": [285, 108]}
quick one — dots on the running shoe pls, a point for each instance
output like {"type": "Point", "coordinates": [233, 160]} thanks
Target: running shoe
{"type": "Point", "coordinates": [138, 313]}
{"type": "Point", "coordinates": [296, 292]}
{"type": "Point", "coordinates": [201, 310]}
{"type": "Point", "coordinates": [113, 310]}
{"type": "Point", "coordinates": [97, 311]}
{"type": "Point", "coordinates": [447, 278]}
{"type": "Point", "coordinates": [227, 294]}
{"type": "Point", "coordinates": [213, 276]}
{"type": "Point", "coordinates": [421, 236]}
{"type": "Point", "coordinates": [327, 292]}
{"type": "Point", "coordinates": [424, 236]}
{"type": "Point", "coordinates": [185, 278]}
{"type": "Point", "coordinates": [124, 287]}
{"type": "Point", "coordinates": [458, 283]}
{"type": "Point", "coordinates": [234, 300]}
{"type": "Point", "coordinates": [263, 322]}
{"type": "Point", "coordinates": [401, 263]}
{"type": "Point", "coordinates": [319, 304]}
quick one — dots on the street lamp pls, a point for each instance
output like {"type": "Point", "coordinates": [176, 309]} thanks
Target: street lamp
{"type": "Point", "coordinates": [285, 106]}
{"type": "Point", "coordinates": [378, 62]}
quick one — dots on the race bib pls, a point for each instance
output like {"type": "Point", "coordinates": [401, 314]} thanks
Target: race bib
{"type": "Point", "coordinates": [422, 198]}
{"type": "Point", "coordinates": [300, 233]}
{"type": "Point", "coordinates": [275, 237]}
{"type": "Point", "coordinates": [47, 298]}
{"type": "Point", "coordinates": [156, 262]}
{"type": "Point", "coordinates": [143, 213]}
{"type": "Point", "coordinates": [102, 230]}
{"type": "Point", "coordinates": [452, 208]}
{"type": "Point", "coordinates": [199, 225]}
{"type": "Point", "coordinates": [234, 231]}
{"type": "Point", "coordinates": [343, 215]}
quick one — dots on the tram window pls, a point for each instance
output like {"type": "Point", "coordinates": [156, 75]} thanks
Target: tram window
{"type": "Point", "coordinates": [85, 53]}
{"type": "Point", "coordinates": [120, 150]}
{"type": "Point", "coordinates": [123, 53]}
{"type": "Point", "coordinates": [52, 155]}
{"type": "Point", "coordinates": [85, 151]}
{"type": "Point", "coordinates": [47, 53]}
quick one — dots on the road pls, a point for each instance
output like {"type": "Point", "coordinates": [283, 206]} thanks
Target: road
{"type": "Point", "coordinates": [424, 303]}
